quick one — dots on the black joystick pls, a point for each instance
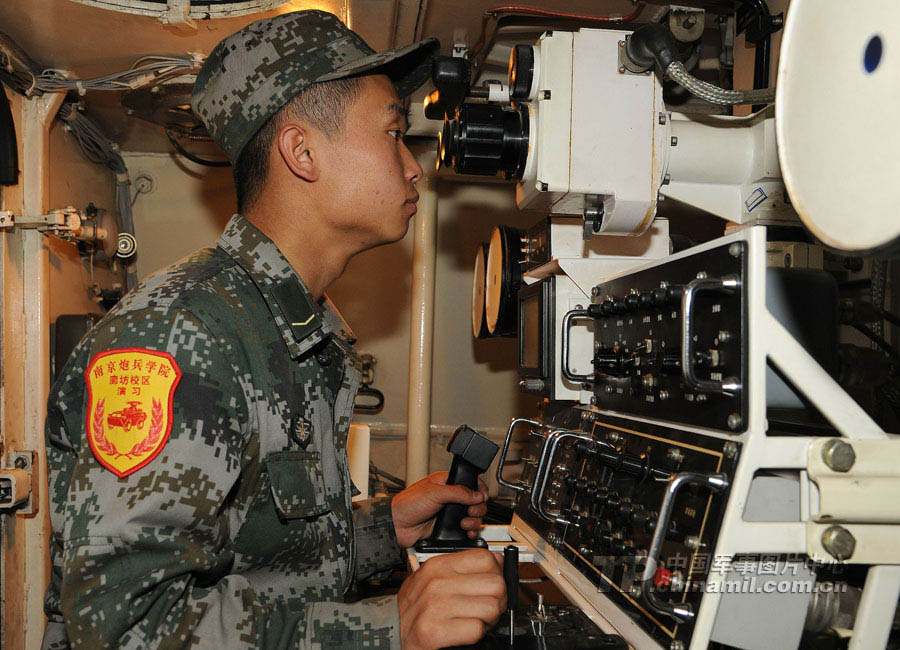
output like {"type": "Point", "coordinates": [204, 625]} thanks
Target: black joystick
{"type": "Point", "coordinates": [472, 455]}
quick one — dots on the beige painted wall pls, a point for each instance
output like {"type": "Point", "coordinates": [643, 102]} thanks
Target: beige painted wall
{"type": "Point", "coordinates": [475, 382]}
{"type": "Point", "coordinates": [72, 181]}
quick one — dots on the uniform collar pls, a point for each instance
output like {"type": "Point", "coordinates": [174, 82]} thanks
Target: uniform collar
{"type": "Point", "coordinates": [303, 321]}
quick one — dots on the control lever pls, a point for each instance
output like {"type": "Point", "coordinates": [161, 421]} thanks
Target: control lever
{"type": "Point", "coordinates": [511, 577]}
{"type": "Point", "coordinates": [472, 455]}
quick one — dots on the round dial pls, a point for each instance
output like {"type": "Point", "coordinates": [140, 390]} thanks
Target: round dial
{"type": "Point", "coordinates": [504, 277]}
{"type": "Point", "coordinates": [479, 324]}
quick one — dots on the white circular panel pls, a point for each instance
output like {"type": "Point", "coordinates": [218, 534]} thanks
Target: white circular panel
{"type": "Point", "coordinates": [493, 296]}
{"type": "Point", "coordinates": [836, 104]}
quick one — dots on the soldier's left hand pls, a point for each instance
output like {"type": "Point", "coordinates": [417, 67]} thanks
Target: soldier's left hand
{"type": "Point", "coordinates": [415, 507]}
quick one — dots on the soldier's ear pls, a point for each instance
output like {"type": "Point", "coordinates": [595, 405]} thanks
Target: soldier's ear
{"type": "Point", "coordinates": [294, 148]}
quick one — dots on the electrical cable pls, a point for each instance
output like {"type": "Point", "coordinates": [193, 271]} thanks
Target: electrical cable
{"type": "Point", "coordinates": [879, 341]}
{"type": "Point", "coordinates": [494, 14]}
{"type": "Point", "coordinates": [146, 71]}
{"type": "Point", "coordinates": [187, 154]}
{"type": "Point", "coordinates": [101, 150]}
{"type": "Point", "coordinates": [713, 94]}
{"type": "Point", "coordinates": [890, 317]}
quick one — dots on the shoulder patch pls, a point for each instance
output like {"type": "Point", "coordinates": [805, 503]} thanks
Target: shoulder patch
{"type": "Point", "coordinates": [129, 411]}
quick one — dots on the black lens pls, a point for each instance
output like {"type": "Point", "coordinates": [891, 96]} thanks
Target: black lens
{"type": "Point", "coordinates": [486, 139]}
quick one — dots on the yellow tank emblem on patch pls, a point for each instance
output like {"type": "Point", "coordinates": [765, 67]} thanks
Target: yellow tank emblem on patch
{"type": "Point", "coordinates": [129, 414]}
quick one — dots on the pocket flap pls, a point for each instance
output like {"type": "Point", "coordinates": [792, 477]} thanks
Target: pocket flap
{"type": "Point", "coordinates": [297, 484]}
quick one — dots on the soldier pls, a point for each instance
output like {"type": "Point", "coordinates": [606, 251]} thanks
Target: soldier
{"type": "Point", "coordinates": [197, 436]}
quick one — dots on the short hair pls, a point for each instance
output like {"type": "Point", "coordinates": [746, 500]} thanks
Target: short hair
{"type": "Point", "coordinates": [321, 105]}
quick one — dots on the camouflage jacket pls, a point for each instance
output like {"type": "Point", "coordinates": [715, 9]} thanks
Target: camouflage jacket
{"type": "Point", "coordinates": [235, 528]}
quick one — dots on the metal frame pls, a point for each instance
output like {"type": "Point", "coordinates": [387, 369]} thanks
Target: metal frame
{"type": "Point", "coordinates": [768, 341]}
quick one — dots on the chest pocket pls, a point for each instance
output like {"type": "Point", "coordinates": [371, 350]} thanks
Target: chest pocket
{"type": "Point", "coordinates": [298, 487]}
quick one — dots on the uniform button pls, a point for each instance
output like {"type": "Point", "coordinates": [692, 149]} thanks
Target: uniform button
{"type": "Point", "coordinates": [323, 359]}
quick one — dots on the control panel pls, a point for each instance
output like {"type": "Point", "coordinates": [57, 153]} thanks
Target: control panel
{"type": "Point", "coordinates": [668, 341]}
{"type": "Point", "coordinates": [634, 507]}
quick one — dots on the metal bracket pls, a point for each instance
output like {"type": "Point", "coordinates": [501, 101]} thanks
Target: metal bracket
{"type": "Point", "coordinates": [686, 23]}
{"type": "Point", "coordinates": [853, 514]}
{"type": "Point", "coordinates": [16, 480]}
{"type": "Point", "coordinates": [178, 14]}
{"type": "Point", "coordinates": [66, 223]}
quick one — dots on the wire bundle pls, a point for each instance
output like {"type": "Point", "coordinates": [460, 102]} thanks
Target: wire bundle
{"type": "Point", "coordinates": [146, 71]}
{"type": "Point", "coordinates": [101, 150]}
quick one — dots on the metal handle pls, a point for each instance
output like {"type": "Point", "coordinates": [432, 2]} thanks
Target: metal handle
{"type": "Point", "coordinates": [537, 494]}
{"type": "Point", "coordinates": [566, 325]}
{"type": "Point", "coordinates": [728, 283]}
{"type": "Point", "coordinates": [542, 464]}
{"type": "Point", "coordinates": [519, 487]}
{"type": "Point", "coordinates": [682, 612]}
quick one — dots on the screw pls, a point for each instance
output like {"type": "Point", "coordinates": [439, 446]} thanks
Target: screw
{"type": "Point", "coordinates": [730, 449]}
{"type": "Point", "coordinates": [735, 421]}
{"type": "Point", "coordinates": [675, 455]}
{"type": "Point", "coordinates": [608, 389]}
{"type": "Point", "coordinates": [614, 437]}
{"type": "Point", "coordinates": [20, 462]}
{"type": "Point", "coordinates": [595, 292]}
{"type": "Point", "coordinates": [544, 187]}
{"type": "Point", "coordinates": [734, 250]}
{"type": "Point", "coordinates": [787, 260]}
{"type": "Point", "coordinates": [662, 117]}
{"type": "Point", "coordinates": [621, 43]}
{"type": "Point", "coordinates": [676, 645]}
{"type": "Point", "coordinates": [724, 336]}
{"type": "Point", "coordinates": [663, 395]}
{"type": "Point", "coordinates": [674, 141]}
{"type": "Point", "coordinates": [701, 397]}
{"type": "Point", "coordinates": [636, 590]}
{"type": "Point", "coordinates": [621, 69]}
{"type": "Point", "coordinates": [593, 400]}
{"type": "Point", "coordinates": [545, 94]}
{"type": "Point", "coordinates": [838, 455]}
{"type": "Point", "coordinates": [693, 542]}
{"type": "Point", "coordinates": [839, 542]}
{"type": "Point", "coordinates": [701, 275]}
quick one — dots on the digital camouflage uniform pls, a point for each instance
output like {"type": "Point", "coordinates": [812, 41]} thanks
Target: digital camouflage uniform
{"type": "Point", "coordinates": [227, 522]}
{"type": "Point", "coordinates": [238, 534]}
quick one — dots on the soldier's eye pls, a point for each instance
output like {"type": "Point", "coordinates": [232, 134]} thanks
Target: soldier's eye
{"type": "Point", "coordinates": [396, 133]}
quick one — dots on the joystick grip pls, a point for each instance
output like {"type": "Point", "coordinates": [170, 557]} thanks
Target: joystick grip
{"type": "Point", "coordinates": [472, 455]}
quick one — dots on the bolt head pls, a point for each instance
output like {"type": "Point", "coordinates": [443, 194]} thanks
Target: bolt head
{"type": "Point", "coordinates": [734, 250]}
{"type": "Point", "coordinates": [838, 541]}
{"type": "Point", "coordinates": [735, 421]}
{"type": "Point", "coordinates": [730, 449]}
{"type": "Point", "coordinates": [838, 455]}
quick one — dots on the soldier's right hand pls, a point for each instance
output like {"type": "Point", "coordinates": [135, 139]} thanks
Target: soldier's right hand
{"type": "Point", "coordinates": [451, 600]}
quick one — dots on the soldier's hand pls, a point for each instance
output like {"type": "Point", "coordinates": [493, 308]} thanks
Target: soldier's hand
{"type": "Point", "coordinates": [451, 600]}
{"type": "Point", "coordinates": [414, 508]}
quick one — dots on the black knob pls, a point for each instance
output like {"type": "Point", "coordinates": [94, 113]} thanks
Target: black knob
{"type": "Point", "coordinates": [606, 307]}
{"type": "Point", "coordinates": [632, 301]}
{"type": "Point", "coordinates": [646, 299]}
{"type": "Point", "coordinates": [620, 306]}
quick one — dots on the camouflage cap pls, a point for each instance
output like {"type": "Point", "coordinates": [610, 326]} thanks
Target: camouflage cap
{"type": "Point", "coordinates": [251, 74]}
